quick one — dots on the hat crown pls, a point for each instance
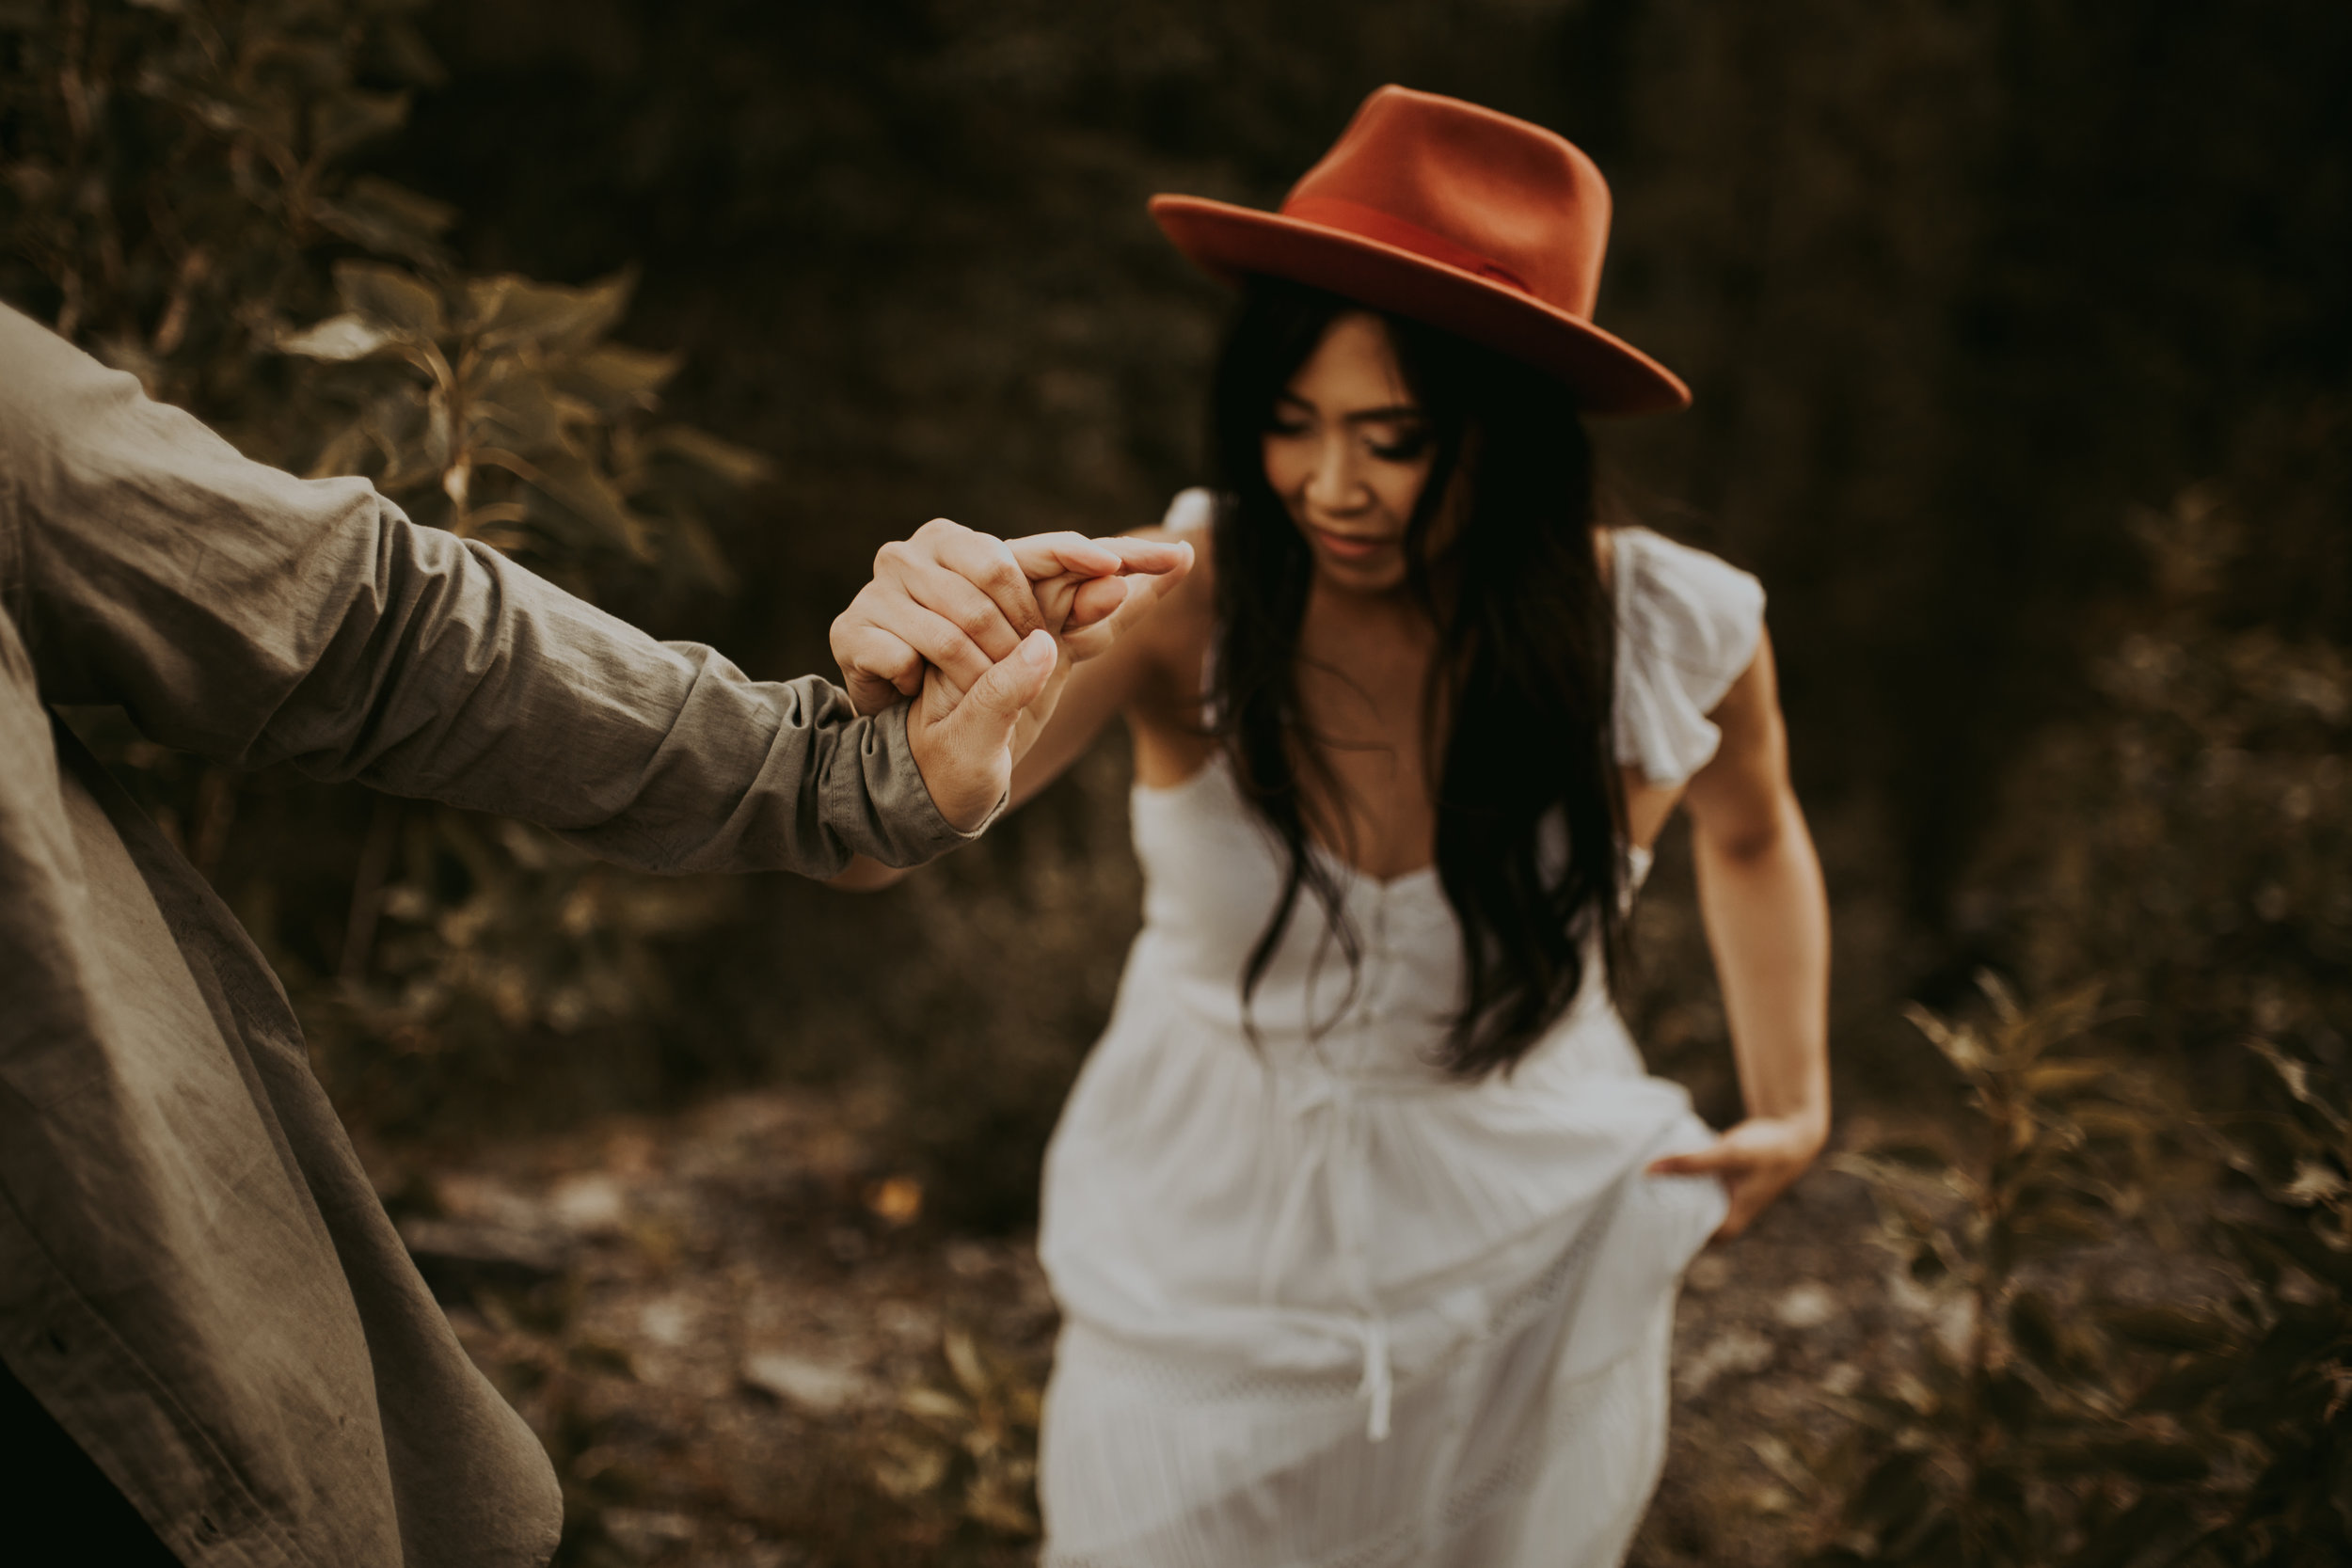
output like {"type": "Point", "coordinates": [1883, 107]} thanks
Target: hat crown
{"type": "Point", "coordinates": [1468, 186]}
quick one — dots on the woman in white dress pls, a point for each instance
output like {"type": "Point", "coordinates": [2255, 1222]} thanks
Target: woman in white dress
{"type": "Point", "coordinates": [1365, 1220]}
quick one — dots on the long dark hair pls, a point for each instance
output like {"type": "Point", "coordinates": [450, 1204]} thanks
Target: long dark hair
{"type": "Point", "coordinates": [1521, 682]}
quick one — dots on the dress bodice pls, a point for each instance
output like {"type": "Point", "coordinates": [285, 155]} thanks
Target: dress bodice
{"type": "Point", "coordinates": [1687, 626]}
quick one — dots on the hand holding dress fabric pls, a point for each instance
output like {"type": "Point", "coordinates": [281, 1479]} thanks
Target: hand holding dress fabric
{"type": "Point", "coordinates": [1756, 1159]}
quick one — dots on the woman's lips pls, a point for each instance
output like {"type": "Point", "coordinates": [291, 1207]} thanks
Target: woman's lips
{"type": "Point", "coordinates": [1352, 547]}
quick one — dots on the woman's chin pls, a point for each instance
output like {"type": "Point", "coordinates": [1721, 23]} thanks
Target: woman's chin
{"type": "Point", "coordinates": [1377, 571]}
{"type": "Point", "coordinates": [1364, 577]}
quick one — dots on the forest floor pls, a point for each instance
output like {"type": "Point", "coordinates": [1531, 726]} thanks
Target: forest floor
{"type": "Point", "coordinates": [744, 1344]}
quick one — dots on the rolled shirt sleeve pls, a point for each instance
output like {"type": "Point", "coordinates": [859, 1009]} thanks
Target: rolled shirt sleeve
{"type": "Point", "coordinates": [239, 612]}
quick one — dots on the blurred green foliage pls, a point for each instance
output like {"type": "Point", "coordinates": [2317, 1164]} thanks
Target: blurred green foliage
{"type": "Point", "coordinates": [2010, 1444]}
{"type": "Point", "coordinates": [2203, 1418]}
{"type": "Point", "coordinates": [181, 198]}
{"type": "Point", "coordinates": [2189, 836]}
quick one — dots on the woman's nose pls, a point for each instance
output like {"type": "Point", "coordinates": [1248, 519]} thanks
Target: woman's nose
{"type": "Point", "coordinates": [1334, 486]}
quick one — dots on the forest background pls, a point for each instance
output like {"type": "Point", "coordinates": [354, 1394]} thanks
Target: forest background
{"type": "Point", "coordinates": [2021, 332]}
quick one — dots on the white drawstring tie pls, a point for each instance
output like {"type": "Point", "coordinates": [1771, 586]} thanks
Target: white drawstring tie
{"type": "Point", "coordinates": [1331, 1122]}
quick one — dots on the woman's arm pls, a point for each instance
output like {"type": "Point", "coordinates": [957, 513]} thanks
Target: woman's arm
{"type": "Point", "coordinates": [1767, 918]}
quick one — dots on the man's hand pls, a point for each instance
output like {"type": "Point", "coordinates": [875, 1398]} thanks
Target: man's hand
{"type": "Point", "coordinates": [963, 741]}
{"type": "Point", "coordinates": [960, 601]}
{"type": "Point", "coordinates": [1756, 1161]}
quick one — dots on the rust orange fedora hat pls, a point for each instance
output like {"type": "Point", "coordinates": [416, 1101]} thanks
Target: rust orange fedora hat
{"type": "Point", "coordinates": [1448, 213]}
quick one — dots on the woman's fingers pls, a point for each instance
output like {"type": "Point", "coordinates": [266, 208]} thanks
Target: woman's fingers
{"type": "Point", "coordinates": [1756, 1161]}
{"type": "Point", "coordinates": [1050, 555]}
{"type": "Point", "coordinates": [963, 602]}
{"type": "Point", "coordinates": [1714, 1159]}
{"type": "Point", "coordinates": [1081, 582]}
{"type": "Point", "coordinates": [1140, 593]}
{"type": "Point", "coordinates": [1149, 556]}
{"type": "Point", "coordinates": [1095, 599]}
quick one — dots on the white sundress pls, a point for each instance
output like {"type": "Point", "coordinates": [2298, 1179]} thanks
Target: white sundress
{"type": "Point", "coordinates": [1325, 1307]}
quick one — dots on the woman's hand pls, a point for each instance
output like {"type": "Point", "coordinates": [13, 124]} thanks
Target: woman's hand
{"type": "Point", "coordinates": [1756, 1161]}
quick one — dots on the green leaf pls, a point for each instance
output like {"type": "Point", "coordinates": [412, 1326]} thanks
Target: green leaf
{"type": "Point", "coordinates": [338, 338]}
{"type": "Point", "coordinates": [614, 377]}
{"type": "Point", "coordinates": [507, 310]}
{"type": "Point", "coordinates": [736, 465]}
{"type": "Point", "coordinates": [388, 218]}
{"type": "Point", "coordinates": [405, 55]}
{"type": "Point", "coordinates": [515, 405]}
{"type": "Point", "coordinates": [2297, 1078]}
{"type": "Point", "coordinates": [576, 483]}
{"type": "Point", "coordinates": [390, 296]}
{"type": "Point", "coordinates": [342, 122]}
{"type": "Point", "coordinates": [2298, 1244]}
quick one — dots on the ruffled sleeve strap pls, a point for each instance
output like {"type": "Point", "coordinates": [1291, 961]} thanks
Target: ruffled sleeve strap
{"type": "Point", "coordinates": [1688, 627]}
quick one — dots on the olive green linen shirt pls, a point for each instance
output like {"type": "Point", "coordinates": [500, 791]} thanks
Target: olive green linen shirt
{"type": "Point", "coordinates": [196, 1278]}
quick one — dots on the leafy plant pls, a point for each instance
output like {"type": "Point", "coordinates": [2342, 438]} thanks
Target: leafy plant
{"type": "Point", "coordinates": [2265, 1371]}
{"type": "Point", "coordinates": [177, 194]}
{"type": "Point", "coordinates": [509, 417]}
{"type": "Point", "coordinates": [2009, 1444]}
{"type": "Point", "coordinates": [2189, 837]}
{"type": "Point", "coordinates": [169, 171]}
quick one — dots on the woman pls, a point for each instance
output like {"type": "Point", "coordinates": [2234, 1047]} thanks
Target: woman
{"type": "Point", "coordinates": [1365, 1221]}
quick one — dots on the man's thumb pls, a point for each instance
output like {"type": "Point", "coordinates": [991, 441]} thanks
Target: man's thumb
{"type": "Point", "coordinates": [994, 703]}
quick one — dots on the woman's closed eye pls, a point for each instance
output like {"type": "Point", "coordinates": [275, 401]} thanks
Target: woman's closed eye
{"type": "Point", "coordinates": [1403, 446]}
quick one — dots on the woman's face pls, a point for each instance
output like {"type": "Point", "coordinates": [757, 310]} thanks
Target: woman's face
{"type": "Point", "coordinates": [1348, 451]}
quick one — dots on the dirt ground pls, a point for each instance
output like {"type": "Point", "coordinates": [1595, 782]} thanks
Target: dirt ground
{"type": "Point", "coordinates": [745, 1344]}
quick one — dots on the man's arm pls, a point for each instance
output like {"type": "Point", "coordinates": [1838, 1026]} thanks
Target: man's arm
{"type": "Point", "coordinates": [251, 617]}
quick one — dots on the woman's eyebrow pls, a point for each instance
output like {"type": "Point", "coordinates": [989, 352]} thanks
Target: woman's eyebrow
{"type": "Point", "coordinates": [1388, 415]}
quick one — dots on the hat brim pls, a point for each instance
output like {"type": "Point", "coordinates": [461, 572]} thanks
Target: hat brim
{"type": "Point", "coordinates": [1608, 375]}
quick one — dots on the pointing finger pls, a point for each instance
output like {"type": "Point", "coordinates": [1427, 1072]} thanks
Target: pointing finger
{"type": "Point", "coordinates": [1049, 555]}
{"type": "Point", "coordinates": [1150, 556]}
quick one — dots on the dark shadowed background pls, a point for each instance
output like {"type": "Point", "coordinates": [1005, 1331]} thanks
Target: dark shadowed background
{"type": "Point", "coordinates": [1959, 288]}
{"type": "Point", "coordinates": [2020, 335]}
